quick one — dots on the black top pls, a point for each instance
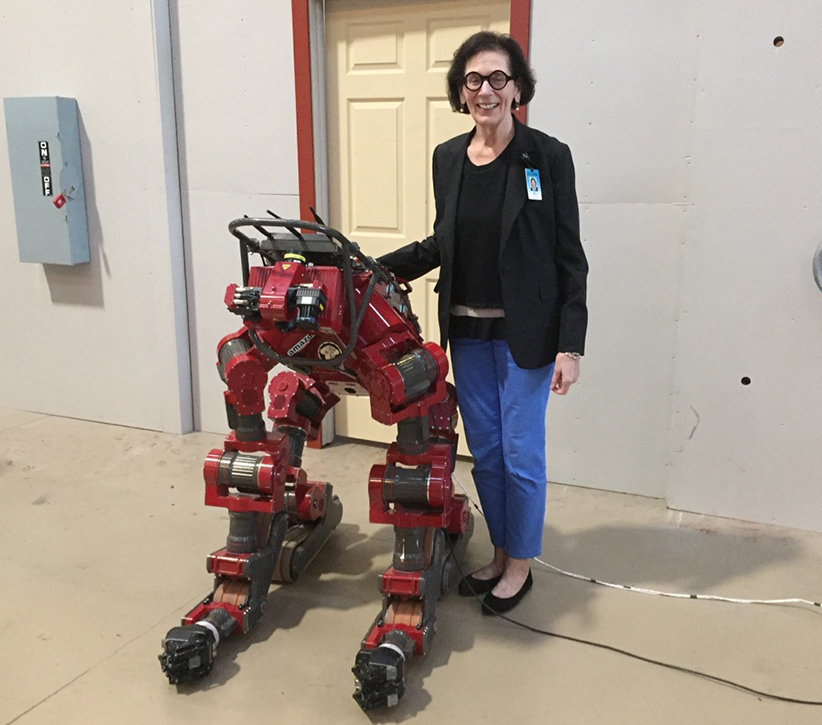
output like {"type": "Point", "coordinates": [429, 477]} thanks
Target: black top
{"type": "Point", "coordinates": [476, 280]}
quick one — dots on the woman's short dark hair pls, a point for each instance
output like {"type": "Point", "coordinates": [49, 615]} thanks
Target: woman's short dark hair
{"type": "Point", "coordinates": [487, 40]}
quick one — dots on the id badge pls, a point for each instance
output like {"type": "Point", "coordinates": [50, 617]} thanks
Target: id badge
{"type": "Point", "coordinates": [533, 185]}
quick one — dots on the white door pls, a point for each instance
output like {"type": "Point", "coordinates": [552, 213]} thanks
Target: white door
{"type": "Point", "coordinates": [387, 110]}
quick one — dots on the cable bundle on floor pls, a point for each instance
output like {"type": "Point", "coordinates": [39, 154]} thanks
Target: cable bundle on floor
{"type": "Point", "coordinates": [639, 590]}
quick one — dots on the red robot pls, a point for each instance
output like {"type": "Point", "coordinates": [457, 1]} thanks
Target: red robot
{"type": "Point", "coordinates": [340, 323]}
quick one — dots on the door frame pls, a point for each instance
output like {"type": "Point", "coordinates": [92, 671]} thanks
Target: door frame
{"type": "Point", "coordinates": [308, 27]}
{"type": "Point", "coordinates": [308, 24]}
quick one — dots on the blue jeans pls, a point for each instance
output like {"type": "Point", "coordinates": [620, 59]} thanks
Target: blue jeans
{"type": "Point", "coordinates": [503, 411]}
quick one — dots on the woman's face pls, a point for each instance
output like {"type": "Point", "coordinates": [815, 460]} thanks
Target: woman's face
{"type": "Point", "coordinates": [489, 108]}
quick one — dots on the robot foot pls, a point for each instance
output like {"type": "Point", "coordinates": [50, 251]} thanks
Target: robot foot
{"type": "Point", "coordinates": [188, 653]}
{"type": "Point", "coordinates": [379, 677]}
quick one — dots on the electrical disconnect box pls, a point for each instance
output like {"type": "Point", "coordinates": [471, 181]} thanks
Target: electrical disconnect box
{"type": "Point", "coordinates": [47, 179]}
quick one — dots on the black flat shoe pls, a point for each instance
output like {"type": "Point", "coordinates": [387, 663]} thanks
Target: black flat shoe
{"type": "Point", "coordinates": [495, 605]}
{"type": "Point", "coordinates": [470, 586]}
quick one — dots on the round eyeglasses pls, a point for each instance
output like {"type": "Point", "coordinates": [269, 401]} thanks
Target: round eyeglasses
{"type": "Point", "coordinates": [497, 80]}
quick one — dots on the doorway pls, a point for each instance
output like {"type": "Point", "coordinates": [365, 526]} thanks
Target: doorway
{"type": "Point", "coordinates": [387, 109]}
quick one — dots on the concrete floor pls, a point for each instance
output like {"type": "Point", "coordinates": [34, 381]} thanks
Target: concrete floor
{"type": "Point", "coordinates": [104, 536]}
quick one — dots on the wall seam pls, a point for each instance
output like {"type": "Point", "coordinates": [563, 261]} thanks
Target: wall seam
{"type": "Point", "coordinates": [176, 258]}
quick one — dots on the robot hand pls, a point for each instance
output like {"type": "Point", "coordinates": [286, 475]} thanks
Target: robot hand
{"type": "Point", "coordinates": [380, 677]}
{"type": "Point", "coordinates": [244, 301]}
{"type": "Point", "coordinates": [188, 653]}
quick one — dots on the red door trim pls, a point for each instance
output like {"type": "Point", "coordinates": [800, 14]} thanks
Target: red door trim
{"type": "Point", "coordinates": [521, 32]}
{"type": "Point", "coordinates": [305, 111]}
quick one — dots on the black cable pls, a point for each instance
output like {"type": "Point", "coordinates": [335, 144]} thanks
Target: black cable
{"type": "Point", "coordinates": [641, 658]}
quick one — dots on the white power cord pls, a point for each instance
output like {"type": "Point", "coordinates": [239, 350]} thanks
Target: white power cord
{"type": "Point", "coordinates": [654, 592]}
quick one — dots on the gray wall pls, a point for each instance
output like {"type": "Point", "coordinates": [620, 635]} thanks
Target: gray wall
{"type": "Point", "coordinates": [236, 117]}
{"type": "Point", "coordinates": [749, 306]}
{"type": "Point", "coordinates": [106, 340]}
{"type": "Point", "coordinates": [697, 144]}
{"type": "Point", "coordinates": [616, 82]}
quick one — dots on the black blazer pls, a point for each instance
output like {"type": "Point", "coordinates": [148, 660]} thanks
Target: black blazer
{"type": "Point", "coordinates": [542, 265]}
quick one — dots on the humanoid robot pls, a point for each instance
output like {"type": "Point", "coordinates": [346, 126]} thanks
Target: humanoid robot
{"type": "Point", "coordinates": [340, 323]}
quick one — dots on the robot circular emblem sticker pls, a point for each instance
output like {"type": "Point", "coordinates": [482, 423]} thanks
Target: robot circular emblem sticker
{"type": "Point", "coordinates": [328, 350]}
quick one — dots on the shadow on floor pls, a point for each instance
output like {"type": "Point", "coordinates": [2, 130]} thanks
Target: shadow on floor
{"type": "Point", "coordinates": [682, 559]}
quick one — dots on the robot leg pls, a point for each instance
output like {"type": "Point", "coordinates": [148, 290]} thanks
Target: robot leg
{"type": "Point", "coordinates": [432, 525]}
{"type": "Point", "coordinates": [247, 477]}
{"type": "Point", "coordinates": [258, 478]}
{"type": "Point", "coordinates": [314, 511]}
{"type": "Point", "coordinates": [242, 574]}
{"type": "Point", "coordinates": [298, 405]}
{"type": "Point", "coordinates": [407, 621]}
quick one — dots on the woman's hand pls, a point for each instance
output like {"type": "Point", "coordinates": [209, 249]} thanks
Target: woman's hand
{"type": "Point", "coordinates": [566, 373]}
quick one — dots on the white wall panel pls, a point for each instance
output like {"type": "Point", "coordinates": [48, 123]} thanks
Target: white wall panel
{"type": "Point", "coordinates": [687, 123]}
{"type": "Point", "coordinates": [212, 254]}
{"type": "Point", "coordinates": [611, 430]}
{"type": "Point", "coordinates": [750, 307]}
{"type": "Point", "coordinates": [238, 155]}
{"type": "Point", "coordinates": [616, 81]}
{"type": "Point", "coordinates": [102, 340]}
{"type": "Point", "coordinates": [235, 90]}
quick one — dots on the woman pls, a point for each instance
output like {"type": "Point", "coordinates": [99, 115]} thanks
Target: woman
{"type": "Point", "coordinates": [511, 296]}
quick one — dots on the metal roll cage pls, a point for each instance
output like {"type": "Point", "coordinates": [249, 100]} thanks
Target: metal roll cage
{"type": "Point", "coordinates": [325, 241]}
